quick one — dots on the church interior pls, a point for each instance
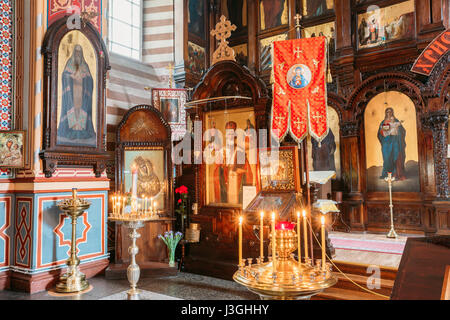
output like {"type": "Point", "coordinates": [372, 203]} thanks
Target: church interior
{"type": "Point", "coordinates": [225, 150]}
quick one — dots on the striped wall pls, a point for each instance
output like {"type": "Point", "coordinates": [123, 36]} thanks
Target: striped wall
{"type": "Point", "coordinates": [158, 35]}
{"type": "Point", "coordinates": [128, 78]}
{"type": "Point", "coordinates": [125, 88]}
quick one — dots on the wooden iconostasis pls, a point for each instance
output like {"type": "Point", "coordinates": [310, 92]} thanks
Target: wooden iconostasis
{"type": "Point", "coordinates": [372, 47]}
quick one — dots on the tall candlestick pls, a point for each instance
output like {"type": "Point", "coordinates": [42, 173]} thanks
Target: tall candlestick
{"type": "Point", "coordinates": [305, 235]}
{"type": "Point", "coordinates": [322, 220]}
{"type": "Point", "coordinates": [274, 247]}
{"type": "Point", "coordinates": [298, 239]}
{"type": "Point", "coordinates": [261, 235]}
{"type": "Point", "coordinates": [240, 240]}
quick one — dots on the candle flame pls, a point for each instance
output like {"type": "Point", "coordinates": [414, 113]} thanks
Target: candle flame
{"type": "Point", "coordinates": [262, 214]}
{"type": "Point", "coordinates": [273, 215]}
{"type": "Point", "coordinates": [241, 219]}
{"type": "Point", "coordinates": [322, 220]}
{"type": "Point", "coordinates": [304, 213]}
{"type": "Point", "coordinates": [298, 214]}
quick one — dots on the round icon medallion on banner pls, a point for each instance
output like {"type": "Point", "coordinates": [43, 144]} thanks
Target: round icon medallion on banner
{"type": "Point", "coordinates": [299, 76]}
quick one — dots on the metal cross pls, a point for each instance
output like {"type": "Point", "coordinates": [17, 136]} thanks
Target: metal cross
{"type": "Point", "coordinates": [281, 91]}
{"type": "Point", "coordinates": [297, 19]}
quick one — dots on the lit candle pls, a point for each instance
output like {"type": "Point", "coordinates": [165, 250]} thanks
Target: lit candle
{"type": "Point", "coordinates": [261, 235]}
{"type": "Point", "coordinates": [305, 235]}
{"type": "Point", "coordinates": [240, 240]}
{"type": "Point", "coordinates": [322, 220]}
{"type": "Point", "coordinates": [154, 206]}
{"type": "Point", "coordinates": [298, 238]}
{"type": "Point", "coordinates": [146, 204]}
{"type": "Point", "coordinates": [274, 255]}
{"type": "Point", "coordinates": [119, 200]}
{"type": "Point", "coordinates": [151, 205]}
{"type": "Point", "coordinates": [124, 199]}
{"type": "Point", "coordinates": [134, 179]}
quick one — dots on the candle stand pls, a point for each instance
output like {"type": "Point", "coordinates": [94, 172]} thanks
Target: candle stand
{"type": "Point", "coordinates": [133, 270]}
{"type": "Point", "coordinates": [73, 280]}
{"type": "Point", "coordinates": [289, 279]}
{"type": "Point", "coordinates": [389, 179]}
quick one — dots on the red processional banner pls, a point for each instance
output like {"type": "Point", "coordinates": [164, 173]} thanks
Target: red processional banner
{"type": "Point", "coordinates": [299, 90]}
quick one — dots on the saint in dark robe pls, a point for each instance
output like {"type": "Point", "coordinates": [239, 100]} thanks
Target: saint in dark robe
{"type": "Point", "coordinates": [316, 7]}
{"type": "Point", "coordinates": [76, 125]}
{"type": "Point", "coordinates": [231, 176]}
{"type": "Point", "coordinates": [196, 18]}
{"type": "Point", "coordinates": [392, 137]}
{"type": "Point", "coordinates": [273, 12]}
{"type": "Point", "coordinates": [323, 156]}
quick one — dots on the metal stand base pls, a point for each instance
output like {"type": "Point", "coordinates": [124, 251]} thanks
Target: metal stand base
{"type": "Point", "coordinates": [392, 234]}
{"type": "Point", "coordinates": [72, 282]}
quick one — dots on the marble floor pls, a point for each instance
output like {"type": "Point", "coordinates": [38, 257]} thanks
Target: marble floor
{"type": "Point", "coordinates": [195, 287]}
{"type": "Point", "coordinates": [184, 286]}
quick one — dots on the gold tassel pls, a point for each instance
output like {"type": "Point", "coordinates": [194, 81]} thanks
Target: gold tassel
{"type": "Point", "coordinates": [329, 77]}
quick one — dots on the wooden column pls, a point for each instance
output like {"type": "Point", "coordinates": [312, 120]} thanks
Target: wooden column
{"type": "Point", "coordinates": [437, 121]}
{"type": "Point", "coordinates": [344, 61]}
{"type": "Point", "coordinates": [353, 210]}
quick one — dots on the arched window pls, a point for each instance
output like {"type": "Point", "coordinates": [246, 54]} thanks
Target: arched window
{"type": "Point", "coordinates": [125, 27]}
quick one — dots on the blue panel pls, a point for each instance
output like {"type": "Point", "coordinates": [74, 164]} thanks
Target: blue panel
{"type": "Point", "coordinates": [53, 248]}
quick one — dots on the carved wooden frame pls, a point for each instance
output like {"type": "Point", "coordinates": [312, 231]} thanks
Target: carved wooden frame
{"type": "Point", "coordinates": [54, 155]}
{"type": "Point", "coordinates": [141, 143]}
{"type": "Point", "coordinates": [215, 83]}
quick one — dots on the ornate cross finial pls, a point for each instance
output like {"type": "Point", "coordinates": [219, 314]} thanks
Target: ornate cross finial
{"type": "Point", "coordinates": [297, 18]}
{"type": "Point", "coordinates": [222, 33]}
{"type": "Point", "coordinates": [171, 68]}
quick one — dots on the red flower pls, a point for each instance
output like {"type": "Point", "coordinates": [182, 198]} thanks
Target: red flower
{"type": "Point", "coordinates": [179, 200]}
{"type": "Point", "coordinates": [183, 190]}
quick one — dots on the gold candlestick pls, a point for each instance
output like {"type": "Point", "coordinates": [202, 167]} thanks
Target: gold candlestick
{"type": "Point", "coordinates": [261, 235]}
{"type": "Point", "coordinates": [322, 220]}
{"type": "Point", "coordinates": [305, 236]}
{"type": "Point", "coordinates": [240, 240]}
{"type": "Point", "coordinates": [73, 280]}
{"type": "Point", "coordinates": [389, 180]}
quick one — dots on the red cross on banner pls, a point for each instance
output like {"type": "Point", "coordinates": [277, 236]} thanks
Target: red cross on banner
{"type": "Point", "coordinates": [299, 90]}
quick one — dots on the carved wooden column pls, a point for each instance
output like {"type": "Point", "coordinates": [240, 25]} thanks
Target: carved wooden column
{"type": "Point", "coordinates": [437, 122]}
{"type": "Point", "coordinates": [352, 206]}
{"type": "Point", "coordinates": [344, 61]}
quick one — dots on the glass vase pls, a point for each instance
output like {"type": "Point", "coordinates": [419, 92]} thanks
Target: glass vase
{"type": "Point", "coordinates": [172, 257]}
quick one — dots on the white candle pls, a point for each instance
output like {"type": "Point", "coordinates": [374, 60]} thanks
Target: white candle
{"type": "Point", "coordinates": [134, 178]}
{"type": "Point", "coordinates": [305, 235]}
{"type": "Point", "coordinates": [261, 235]}
{"type": "Point", "coordinates": [274, 254]}
{"type": "Point", "coordinates": [322, 220]}
{"type": "Point", "coordinates": [240, 240]}
{"type": "Point", "coordinates": [298, 238]}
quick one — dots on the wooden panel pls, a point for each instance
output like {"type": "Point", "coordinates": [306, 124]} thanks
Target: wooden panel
{"type": "Point", "coordinates": [422, 268]}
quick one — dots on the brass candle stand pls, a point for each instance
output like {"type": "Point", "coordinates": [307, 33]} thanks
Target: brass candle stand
{"type": "Point", "coordinates": [289, 279]}
{"type": "Point", "coordinates": [73, 280]}
{"type": "Point", "coordinates": [389, 179]}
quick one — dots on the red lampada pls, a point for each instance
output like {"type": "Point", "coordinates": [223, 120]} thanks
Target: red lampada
{"type": "Point", "coordinates": [284, 226]}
